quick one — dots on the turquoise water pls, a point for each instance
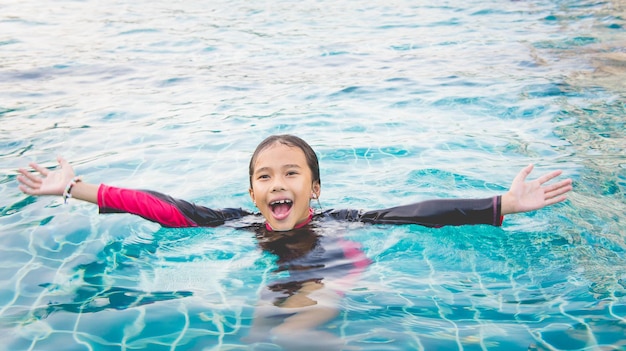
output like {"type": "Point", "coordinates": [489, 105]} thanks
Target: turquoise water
{"type": "Point", "coordinates": [402, 101]}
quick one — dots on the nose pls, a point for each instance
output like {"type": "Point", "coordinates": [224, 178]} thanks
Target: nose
{"type": "Point", "coordinates": [277, 185]}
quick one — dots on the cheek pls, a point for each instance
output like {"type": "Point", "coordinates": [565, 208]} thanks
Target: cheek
{"type": "Point", "coordinates": [256, 186]}
{"type": "Point", "coordinates": [258, 192]}
{"type": "Point", "coordinates": [300, 184]}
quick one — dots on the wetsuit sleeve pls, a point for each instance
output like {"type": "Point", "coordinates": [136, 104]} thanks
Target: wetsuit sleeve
{"type": "Point", "coordinates": [432, 213]}
{"type": "Point", "coordinates": [161, 208]}
{"type": "Point", "coordinates": [437, 213]}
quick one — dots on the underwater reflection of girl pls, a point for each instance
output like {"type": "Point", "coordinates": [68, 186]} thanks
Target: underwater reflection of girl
{"type": "Point", "coordinates": [321, 268]}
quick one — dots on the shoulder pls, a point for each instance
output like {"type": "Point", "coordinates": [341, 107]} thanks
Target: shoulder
{"type": "Point", "coordinates": [339, 214]}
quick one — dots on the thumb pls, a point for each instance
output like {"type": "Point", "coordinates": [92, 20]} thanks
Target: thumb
{"type": "Point", "coordinates": [523, 174]}
{"type": "Point", "coordinates": [62, 161]}
{"type": "Point", "coordinates": [67, 168]}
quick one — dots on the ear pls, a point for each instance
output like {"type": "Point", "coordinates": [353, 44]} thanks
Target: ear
{"type": "Point", "coordinates": [316, 189]}
{"type": "Point", "coordinates": [251, 192]}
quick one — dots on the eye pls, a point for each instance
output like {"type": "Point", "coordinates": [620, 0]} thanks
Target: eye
{"type": "Point", "coordinates": [263, 177]}
{"type": "Point", "coordinates": [291, 173]}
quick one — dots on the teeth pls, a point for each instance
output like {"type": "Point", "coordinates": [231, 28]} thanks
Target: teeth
{"type": "Point", "coordinates": [280, 202]}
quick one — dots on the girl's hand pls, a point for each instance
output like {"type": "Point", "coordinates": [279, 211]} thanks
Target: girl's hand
{"type": "Point", "coordinates": [49, 182]}
{"type": "Point", "coordinates": [529, 196]}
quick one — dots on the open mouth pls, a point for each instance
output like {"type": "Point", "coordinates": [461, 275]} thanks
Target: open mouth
{"type": "Point", "coordinates": [280, 208]}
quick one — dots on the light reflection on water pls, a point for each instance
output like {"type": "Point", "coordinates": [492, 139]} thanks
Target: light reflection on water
{"type": "Point", "coordinates": [402, 102]}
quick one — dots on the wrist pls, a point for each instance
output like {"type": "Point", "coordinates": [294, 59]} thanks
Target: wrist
{"type": "Point", "coordinates": [67, 192]}
{"type": "Point", "coordinates": [85, 192]}
{"type": "Point", "coordinates": [507, 204]}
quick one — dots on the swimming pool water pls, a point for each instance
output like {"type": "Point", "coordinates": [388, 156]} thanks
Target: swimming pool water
{"type": "Point", "coordinates": [403, 101]}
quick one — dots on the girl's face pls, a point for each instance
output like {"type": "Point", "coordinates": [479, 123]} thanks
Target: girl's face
{"type": "Point", "coordinates": [282, 186]}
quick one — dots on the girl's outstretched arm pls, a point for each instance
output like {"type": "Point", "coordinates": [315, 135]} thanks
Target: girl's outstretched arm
{"type": "Point", "coordinates": [55, 182]}
{"type": "Point", "coordinates": [526, 196]}
{"type": "Point", "coordinates": [151, 205]}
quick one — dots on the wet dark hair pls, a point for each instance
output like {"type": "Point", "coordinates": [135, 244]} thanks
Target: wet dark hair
{"type": "Point", "coordinates": [291, 141]}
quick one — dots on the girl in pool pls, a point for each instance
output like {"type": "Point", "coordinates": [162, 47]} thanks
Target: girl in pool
{"type": "Point", "coordinates": [284, 178]}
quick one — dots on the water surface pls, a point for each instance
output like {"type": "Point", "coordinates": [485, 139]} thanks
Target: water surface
{"type": "Point", "coordinates": [402, 101]}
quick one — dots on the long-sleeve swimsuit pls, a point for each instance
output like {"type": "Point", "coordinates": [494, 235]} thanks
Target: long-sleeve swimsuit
{"type": "Point", "coordinates": [305, 253]}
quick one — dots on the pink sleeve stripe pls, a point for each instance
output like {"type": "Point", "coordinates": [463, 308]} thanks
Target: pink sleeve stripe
{"type": "Point", "coordinates": [352, 252]}
{"type": "Point", "coordinates": [148, 206]}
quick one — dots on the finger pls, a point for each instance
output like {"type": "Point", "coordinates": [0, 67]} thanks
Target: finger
{"type": "Point", "coordinates": [27, 184]}
{"type": "Point", "coordinates": [63, 162]}
{"type": "Point", "coordinates": [547, 177]}
{"type": "Point", "coordinates": [561, 184]}
{"type": "Point", "coordinates": [26, 190]}
{"type": "Point", "coordinates": [521, 176]}
{"type": "Point", "coordinates": [65, 166]}
{"type": "Point", "coordinates": [43, 170]}
{"type": "Point", "coordinates": [556, 200]}
{"type": "Point", "coordinates": [557, 191]}
{"type": "Point", "coordinates": [28, 176]}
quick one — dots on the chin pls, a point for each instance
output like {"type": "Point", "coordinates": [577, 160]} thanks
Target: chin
{"type": "Point", "coordinates": [281, 227]}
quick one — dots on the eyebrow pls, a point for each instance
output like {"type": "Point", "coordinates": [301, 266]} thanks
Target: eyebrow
{"type": "Point", "coordinates": [291, 165]}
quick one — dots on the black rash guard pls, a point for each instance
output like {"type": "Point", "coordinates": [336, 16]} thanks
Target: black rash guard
{"type": "Point", "coordinates": [308, 256]}
{"type": "Point", "coordinates": [171, 212]}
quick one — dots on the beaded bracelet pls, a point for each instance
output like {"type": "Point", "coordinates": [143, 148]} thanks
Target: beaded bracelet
{"type": "Point", "coordinates": [68, 188]}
